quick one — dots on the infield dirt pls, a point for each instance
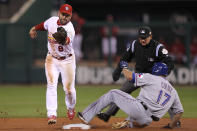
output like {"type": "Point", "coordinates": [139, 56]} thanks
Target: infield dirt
{"type": "Point", "coordinates": [40, 124]}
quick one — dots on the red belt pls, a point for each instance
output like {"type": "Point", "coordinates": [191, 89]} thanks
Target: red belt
{"type": "Point", "coordinates": [61, 58]}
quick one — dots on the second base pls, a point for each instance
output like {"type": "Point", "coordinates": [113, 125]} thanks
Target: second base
{"type": "Point", "coordinates": [77, 126]}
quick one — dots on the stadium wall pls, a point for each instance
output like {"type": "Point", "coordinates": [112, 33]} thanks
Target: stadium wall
{"type": "Point", "coordinates": [103, 75]}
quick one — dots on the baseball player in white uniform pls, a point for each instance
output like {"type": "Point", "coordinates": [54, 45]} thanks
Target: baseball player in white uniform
{"type": "Point", "coordinates": [59, 60]}
{"type": "Point", "coordinates": [156, 97]}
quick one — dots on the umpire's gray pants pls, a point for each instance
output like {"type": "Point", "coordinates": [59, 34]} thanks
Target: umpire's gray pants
{"type": "Point", "coordinates": [124, 101]}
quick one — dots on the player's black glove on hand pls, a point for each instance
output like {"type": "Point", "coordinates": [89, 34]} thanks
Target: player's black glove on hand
{"type": "Point", "coordinates": [123, 64]}
{"type": "Point", "coordinates": [117, 72]}
{"type": "Point", "coordinates": [60, 36]}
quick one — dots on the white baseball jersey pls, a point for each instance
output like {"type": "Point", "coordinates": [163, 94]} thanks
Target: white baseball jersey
{"type": "Point", "coordinates": [157, 94]}
{"type": "Point", "coordinates": [55, 48]}
{"type": "Point", "coordinates": [55, 67]}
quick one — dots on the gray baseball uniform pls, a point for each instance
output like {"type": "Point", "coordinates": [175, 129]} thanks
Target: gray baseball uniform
{"type": "Point", "coordinates": [156, 93]}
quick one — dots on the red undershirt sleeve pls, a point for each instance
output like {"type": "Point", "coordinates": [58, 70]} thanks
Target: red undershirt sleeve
{"type": "Point", "coordinates": [40, 27]}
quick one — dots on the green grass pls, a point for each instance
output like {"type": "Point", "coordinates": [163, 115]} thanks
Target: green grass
{"type": "Point", "coordinates": [29, 100]}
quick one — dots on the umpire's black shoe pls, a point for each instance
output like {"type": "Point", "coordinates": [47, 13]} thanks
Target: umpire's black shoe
{"type": "Point", "coordinates": [103, 116]}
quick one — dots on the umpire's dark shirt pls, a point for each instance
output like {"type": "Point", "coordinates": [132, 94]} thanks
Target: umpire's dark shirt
{"type": "Point", "coordinates": [146, 56]}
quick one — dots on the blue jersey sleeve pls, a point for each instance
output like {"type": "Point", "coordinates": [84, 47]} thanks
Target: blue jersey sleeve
{"type": "Point", "coordinates": [133, 78]}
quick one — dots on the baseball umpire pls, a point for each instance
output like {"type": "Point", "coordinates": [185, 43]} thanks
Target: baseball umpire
{"type": "Point", "coordinates": [146, 52]}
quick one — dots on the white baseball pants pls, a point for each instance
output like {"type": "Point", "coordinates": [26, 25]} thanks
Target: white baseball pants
{"type": "Point", "coordinates": [66, 68]}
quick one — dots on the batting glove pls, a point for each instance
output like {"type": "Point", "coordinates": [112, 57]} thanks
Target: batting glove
{"type": "Point", "coordinates": [123, 64]}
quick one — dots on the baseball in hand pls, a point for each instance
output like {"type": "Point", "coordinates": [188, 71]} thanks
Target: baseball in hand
{"type": "Point", "coordinates": [33, 33]}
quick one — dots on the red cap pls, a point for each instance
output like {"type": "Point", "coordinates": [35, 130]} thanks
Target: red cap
{"type": "Point", "coordinates": [66, 8]}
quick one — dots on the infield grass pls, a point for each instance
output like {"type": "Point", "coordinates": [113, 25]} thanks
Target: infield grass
{"type": "Point", "coordinates": [29, 100]}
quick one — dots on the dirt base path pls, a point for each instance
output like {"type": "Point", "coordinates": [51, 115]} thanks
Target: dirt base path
{"type": "Point", "coordinates": [40, 124]}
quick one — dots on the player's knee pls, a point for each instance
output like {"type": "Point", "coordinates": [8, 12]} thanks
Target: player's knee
{"type": "Point", "coordinates": [147, 122]}
{"type": "Point", "coordinates": [69, 88]}
{"type": "Point", "coordinates": [113, 93]}
{"type": "Point", "coordinates": [142, 125]}
{"type": "Point", "coordinates": [144, 122]}
{"type": "Point", "coordinates": [51, 86]}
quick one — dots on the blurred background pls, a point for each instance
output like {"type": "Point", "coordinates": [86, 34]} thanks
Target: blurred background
{"type": "Point", "coordinates": [103, 30]}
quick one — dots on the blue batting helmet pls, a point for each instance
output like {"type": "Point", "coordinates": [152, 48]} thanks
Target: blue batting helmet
{"type": "Point", "coordinates": [160, 69]}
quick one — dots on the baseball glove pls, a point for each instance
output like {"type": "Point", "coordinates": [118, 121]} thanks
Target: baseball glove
{"type": "Point", "coordinates": [60, 36]}
{"type": "Point", "coordinates": [120, 125]}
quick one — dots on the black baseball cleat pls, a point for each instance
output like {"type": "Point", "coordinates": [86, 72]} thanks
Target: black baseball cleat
{"type": "Point", "coordinates": [103, 116]}
{"type": "Point", "coordinates": [80, 116]}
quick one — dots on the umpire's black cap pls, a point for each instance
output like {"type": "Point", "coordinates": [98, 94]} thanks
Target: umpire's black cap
{"type": "Point", "coordinates": [144, 32]}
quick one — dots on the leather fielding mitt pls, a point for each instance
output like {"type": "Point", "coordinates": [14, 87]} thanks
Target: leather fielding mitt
{"type": "Point", "coordinates": [60, 36]}
{"type": "Point", "coordinates": [120, 125]}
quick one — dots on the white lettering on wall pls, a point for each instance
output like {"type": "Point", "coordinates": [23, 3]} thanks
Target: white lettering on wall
{"type": "Point", "coordinates": [183, 75]}
{"type": "Point", "coordinates": [103, 75]}
{"type": "Point", "coordinates": [172, 77]}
